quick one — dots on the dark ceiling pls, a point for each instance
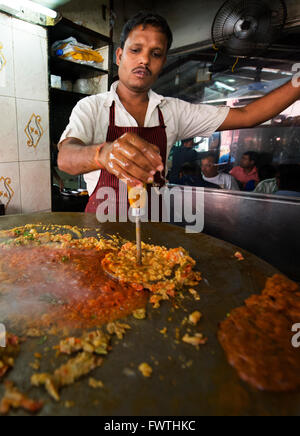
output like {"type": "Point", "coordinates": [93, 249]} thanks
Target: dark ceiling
{"type": "Point", "coordinates": [186, 73]}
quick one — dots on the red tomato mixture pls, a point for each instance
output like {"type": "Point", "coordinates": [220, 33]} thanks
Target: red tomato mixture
{"type": "Point", "coordinates": [63, 287]}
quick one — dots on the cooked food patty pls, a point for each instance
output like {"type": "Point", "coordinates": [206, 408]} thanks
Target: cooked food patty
{"type": "Point", "coordinates": [163, 271]}
{"type": "Point", "coordinates": [257, 338]}
{"type": "Point", "coordinates": [8, 354]}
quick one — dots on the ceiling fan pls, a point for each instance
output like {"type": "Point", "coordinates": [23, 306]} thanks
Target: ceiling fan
{"type": "Point", "coordinates": [246, 28]}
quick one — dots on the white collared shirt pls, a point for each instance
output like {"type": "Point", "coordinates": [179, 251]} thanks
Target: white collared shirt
{"type": "Point", "coordinates": [89, 121]}
{"type": "Point", "coordinates": [225, 181]}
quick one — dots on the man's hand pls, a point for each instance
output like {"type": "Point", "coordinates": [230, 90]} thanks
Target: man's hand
{"type": "Point", "coordinates": [131, 159]}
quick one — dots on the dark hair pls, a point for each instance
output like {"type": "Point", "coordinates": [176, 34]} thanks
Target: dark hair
{"type": "Point", "coordinates": [144, 18]}
{"type": "Point", "coordinates": [253, 156]}
{"type": "Point", "coordinates": [210, 155]}
{"type": "Point", "coordinates": [289, 178]}
{"type": "Point", "coordinates": [266, 172]}
{"type": "Point", "coordinates": [184, 141]}
{"type": "Point", "coordinates": [189, 168]}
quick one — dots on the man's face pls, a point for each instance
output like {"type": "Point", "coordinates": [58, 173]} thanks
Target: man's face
{"type": "Point", "coordinates": [246, 163]}
{"type": "Point", "coordinates": [209, 168]}
{"type": "Point", "coordinates": [189, 144]}
{"type": "Point", "coordinates": [143, 58]}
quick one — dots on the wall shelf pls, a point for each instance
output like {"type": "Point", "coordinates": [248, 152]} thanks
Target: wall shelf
{"type": "Point", "coordinates": [66, 28]}
{"type": "Point", "coordinates": [72, 70]}
{"type": "Point", "coordinates": [65, 94]}
{"type": "Point", "coordinates": [62, 102]}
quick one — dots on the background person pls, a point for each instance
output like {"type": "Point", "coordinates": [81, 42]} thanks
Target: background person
{"type": "Point", "coordinates": [190, 175]}
{"type": "Point", "coordinates": [289, 180]}
{"type": "Point", "coordinates": [247, 170]}
{"type": "Point", "coordinates": [210, 174]}
{"type": "Point", "coordinates": [268, 182]}
{"type": "Point", "coordinates": [186, 153]}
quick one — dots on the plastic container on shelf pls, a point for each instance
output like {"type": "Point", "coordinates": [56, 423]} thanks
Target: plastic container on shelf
{"type": "Point", "coordinates": [83, 86]}
{"type": "Point", "coordinates": [67, 85]}
{"type": "Point", "coordinates": [72, 50]}
{"type": "Point", "coordinates": [56, 81]}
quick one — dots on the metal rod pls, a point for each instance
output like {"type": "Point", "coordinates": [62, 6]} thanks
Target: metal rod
{"type": "Point", "coordinates": [138, 240]}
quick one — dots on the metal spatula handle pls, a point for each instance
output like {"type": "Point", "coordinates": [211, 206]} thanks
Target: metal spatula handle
{"type": "Point", "coordinates": [138, 210]}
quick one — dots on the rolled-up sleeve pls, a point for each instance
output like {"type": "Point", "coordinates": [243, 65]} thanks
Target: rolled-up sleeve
{"type": "Point", "coordinates": [199, 119]}
{"type": "Point", "coordinates": [82, 122]}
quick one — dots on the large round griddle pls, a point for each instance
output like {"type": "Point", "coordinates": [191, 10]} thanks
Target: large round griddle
{"type": "Point", "coordinates": [185, 381]}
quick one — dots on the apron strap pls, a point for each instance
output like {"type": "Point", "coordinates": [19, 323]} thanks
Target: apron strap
{"type": "Point", "coordinates": [112, 115]}
{"type": "Point", "coordinates": [161, 118]}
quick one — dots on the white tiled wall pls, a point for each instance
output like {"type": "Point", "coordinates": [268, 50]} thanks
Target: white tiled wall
{"type": "Point", "coordinates": [8, 128]}
{"type": "Point", "coordinates": [33, 130]}
{"type": "Point", "coordinates": [10, 187]}
{"type": "Point", "coordinates": [33, 196]}
{"type": "Point", "coordinates": [24, 117]}
{"type": "Point", "coordinates": [30, 59]}
{"type": "Point", "coordinates": [7, 82]}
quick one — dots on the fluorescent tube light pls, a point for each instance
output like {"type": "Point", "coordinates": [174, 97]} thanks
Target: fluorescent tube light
{"type": "Point", "coordinates": [19, 5]}
{"type": "Point", "coordinates": [224, 86]}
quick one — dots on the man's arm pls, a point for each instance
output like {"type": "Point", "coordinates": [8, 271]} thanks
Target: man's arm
{"type": "Point", "coordinates": [76, 158]}
{"type": "Point", "coordinates": [263, 109]}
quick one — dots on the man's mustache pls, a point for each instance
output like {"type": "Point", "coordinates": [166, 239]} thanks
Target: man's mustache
{"type": "Point", "coordinates": [143, 69]}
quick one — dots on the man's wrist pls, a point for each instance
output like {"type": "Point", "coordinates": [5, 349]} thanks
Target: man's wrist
{"type": "Point", "coordinates": [98, 158]}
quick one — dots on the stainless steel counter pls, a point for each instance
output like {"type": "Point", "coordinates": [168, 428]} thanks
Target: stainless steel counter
{"type": "Point", "coordinates": [265, 225]}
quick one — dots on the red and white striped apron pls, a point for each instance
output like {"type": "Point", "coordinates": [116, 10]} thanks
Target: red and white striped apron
{"type": "Point", "coordinates": [154, 135]}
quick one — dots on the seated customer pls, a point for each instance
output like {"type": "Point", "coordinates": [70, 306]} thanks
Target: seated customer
{"type": "Point", "coordinates": [289, 180]}
{"type": "Point", "coordinates": [210, 174]}
{"type": "Point", "coordinates": [247, 170]}
{"type": "Point", "coordinates": [191, 176]}
{"type": "Point", "coordinates": [185, 153]}
{"type": "Point", "coordinates": [268, 181]}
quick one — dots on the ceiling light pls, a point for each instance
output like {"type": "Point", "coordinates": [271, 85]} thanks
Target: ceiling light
{"type": "Point", "coordinates": [18, 6]}
{"type": "Point", "coordinates": [224, 86]}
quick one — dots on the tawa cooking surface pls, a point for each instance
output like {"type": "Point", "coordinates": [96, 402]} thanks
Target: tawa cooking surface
{"type": "Point", "coordinates": [184, 381]}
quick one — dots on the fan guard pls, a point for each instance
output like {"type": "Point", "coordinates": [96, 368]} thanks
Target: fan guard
{"type": "Point", "coordinates": [248, 27]}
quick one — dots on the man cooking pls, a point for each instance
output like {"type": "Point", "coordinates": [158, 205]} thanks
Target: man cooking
{"type": "Point", "coordinates": [127, 133]}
